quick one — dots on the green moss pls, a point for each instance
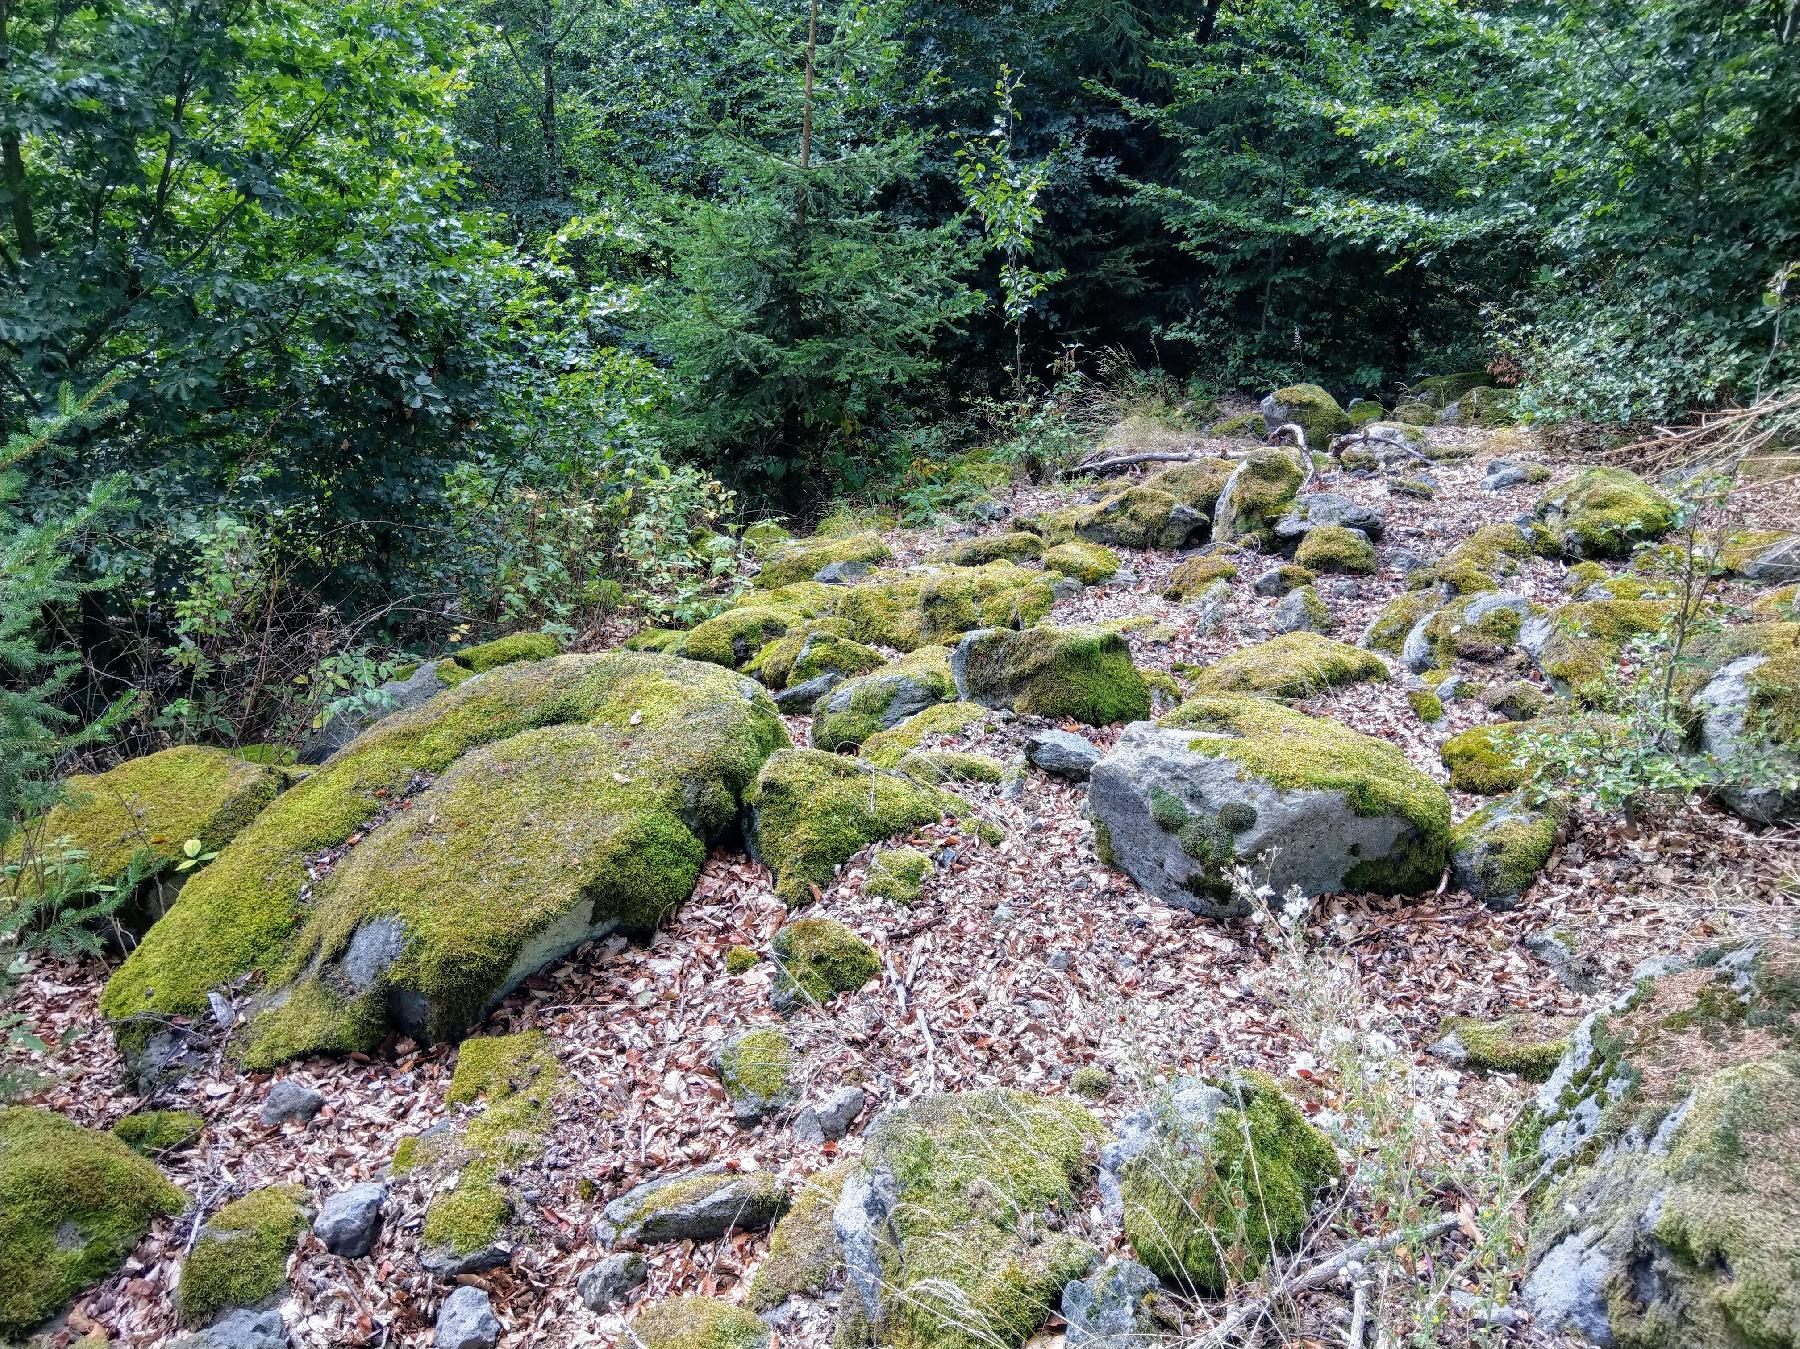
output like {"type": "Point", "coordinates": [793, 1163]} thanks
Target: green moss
{"type": "Point", "coordinates": [734, 637]}
{"type": "Point", "coordinates": [885, 749]}
{"type": "Point", "coordinates": [1293, 665]}
{"type": "Point", "coordinates": [1397, 618]}
{"type": "Point", "coordinates": [1091, 1082]}
{"type": "Point", "coordinates": [1780, 604]}
{"type": "Point", "coordinates": [1198, 484]}
{"type": "Point", "coordinates": [1453, 635]}
{"type": "Point", "coordinates": [1089, 563]}
{"type": "Point", "coordinates": [1315, 411]}
{"type": "Point", "coordinates": [1313, 610]}
{"type": "Point", "coordinates": [1478, 563]}
{"type": "Point", "coordinates": [1262, 491]}
{"type": "Point", "coordinates": [1489, 406]}
{"type": "Point", "coordinates": [1426, 705]}
{"type": "Point", "coordinates": [1484, 759]}
{"type": "Point", "coordinates": [1206, 1209]}
{"type": "Point", "coordinates": [740, 959]}
{"type": "Point", "coordinates": [821, 958]}
{"type": "Point", "coordinates": [510, 650]}
{"type": "Point", "coordinates": [1197, 574]}
{"type": "Point", "coordinates": [960, 1266]}
{"type": "Point", "coordinates": [757, 1066]}
{"type": "Point", "coordinates": [1082, 673]}
{"type": "Point", "coordinates": [1517, 700]}
{"type": "Point", "coordinates": [699, 1323]}
{"type": "Point", "coordinates": [1333, 548]}
{"type": "Point", "coordinates": [153, 1131]}
{"type": "Point", "coordinates": [765, 536]}
{"type": "Point", "coordinates": [1362, 411]}
{"type": "Point", "coordinates": [812, 811]}
{"type": "Point", "coordinates": [1423, 489]}
{"type": "Point", "coordinates": [1014, 547]}
{"type": "Point", "coordinates": [799, 561]}
{"type": "Point", "coordinates": [656, 639]}
{"type": "Point", "coordinates": [151, 807]}
{"type": "Point", "coordinates": [923, 605]}
{"type": "Point", "coordinates": [860, 708]}
{"type": "Point", "coordinates": [941, 766]}
{"type": "Point", "coordinates": [1604, 512]}
{"type": "Point", "coordinates": [1440, 391]}
{"type": "Point", "coordinates": [1289, 749]}
{"type": "Point", "coordinates": [1244, 426]}
{"type": "Point", "coordinates": [815, 648]}
{"type": "Point", "coordinates": [1587, 638]}
{"type": "Point", "coordinates": [1508, 1044]}
{"type": "Point", "coordinates": [1502, 847]}
{"type": "Point", "coordinates": [241, 1255]}
{"type": "Point", "coordinates": [804, 1254]}
{"type": "Point", "coordinates": [73, 1204]}
{"type": "Point", "coordinates": [898, 875]}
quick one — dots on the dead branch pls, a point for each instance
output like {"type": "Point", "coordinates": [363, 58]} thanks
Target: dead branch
{"type": "Point", "coordinates": [1127, 460]}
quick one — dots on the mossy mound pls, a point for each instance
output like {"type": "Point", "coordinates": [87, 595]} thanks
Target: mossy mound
{"type": "Point", "coordinates": [1362, 411]}
{"type": "Point", "coordinates": [1517, 700]}
{"type": "Point", "coordinates": [1260, 491]}
{"type": "Point", "coordinates": [699, 1323]}
{"type": "Point", "coordinates": [860, 708]}
{"type": "Point", "coordinates": [961, 1250]}
{"type": "Point", "coordinates": [898, 875]}
{"type": "Point", "coordinates": [1226, 1176]}
{"type": "Point", "coordinates": [1482, 627]}
{"type": "Point", "coordinates": [1780, 604]}
{"type": "Point", "coordinates": [735, 637]}
{"type": "Point", "coordinates": [1293, 665]}
{"type": "Point", "coordinates": [1196, 575]}
{"type": "Point", "coordinates": [951, 766]}
{"type": "Point", "coordinates": [548, 801]}
{"type": "Point", "coordinates": [1487, 405]}
{"type": "Point", "coordinates": [1017, 546]}
{"type": "Point", "coordinates": [149, 809]}
{"type": "Point", "coordinates": [885, 749]}
{"type": "Point", "coordinates": [1577, 647]}
{"type": "Point", "coordinates": [756, 1069]}
{"type": "Point", "coordinates": [1479, 563]}
{"type": "Point", "coordinates": [514, 649]}
{"type": "Point", "coordinates": [1198, 485]}
{"type": "Point", "coordinates": [817, 647]}
{"type": "Point", "coordinates": [1387, 631]}
{"type": "Point", "coordinates": [924, 605]}
{"type": "Point", "coordinates": [1485, 759]}
{"type": "Point", "coordinates": [1426, 705]}
{"type": "Point", "coordinates": [1333, 548]}
{"type": "Point", "coordinates": [152, 1131]}
{"type": "Point", "coordinates": [795, 562]}
{"type": "Point", "coordinates": [1673, 1124]}
{"type": "Point", "coordinates": [1499, 850]}
{"type": "Point", "coordinates": [812, 811]}
{"type": "Point", "coordinates": [765, 536]}
{"type": "Point", "coordinates": [1244, 426]}
{"type": "Point", "coordinates": [1082, 673]}
{"type": "Point", "coordinates": [1414, 414]}
{"type": "Point", "coordinates": [516, 1079]}
{"type": "Point", "coordinates": [1310, 408]}
{"type": "Point", "coordinates": [1521, 1044]}
{"type": "Point", "coordinates": [1141, 517]}
{"type": "Point", "coordinates": [1604, 512]}
{"type": "Point", "coordinates": [1089, 563]}
{"type": "Point", "coordinates": [73, 1204]}
{"type": "Point", "coordinates": [804, 1256]}
{"type": "Point", "coordinates": [820, 958]}
{"type": "Point", "coordinates": [241, 1254]}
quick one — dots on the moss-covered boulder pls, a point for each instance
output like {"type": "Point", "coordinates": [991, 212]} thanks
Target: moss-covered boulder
{"type": "Point", "coordinates": [1017, 546]}
{"type": "Point", "coordinates": [1082, 673]}
{"type": "Point", "coordinates": [1487, 405]}
{"type": "Point", "coordinates": [1487, 760]}
{"type": "Point", "coordinates": [886, 749]}
{"type": "Point", "coordinates": [1333, 548]}
{"type": "Point", "coordinates": [1310, 408]}
{"type": "Point", "coordinates": [898, 875]}
{"type": "Point", "coordinates": [1528, 1045]}
{"type": "Point", "coordinates": [1414, 413]}
{"type": "Point", "coordinates": [1225, 780]}
{"type": "Point", "coordinates": [1362, 411]}
{"type": "Point", "coordinates": [949, 1222]}
{"type": "Point", "coordinates": [1479, 563]}
{"type": "Point", "coordinates": [512, 649]}
{"type": "Point", "coordinates": [1604, 512]}
{"type": "Point", "coordinates": [811, 811]}
{"type": "Point", "coordinates": [1198, 484]}
{"type": "Point", "coordinates": [1244, 426]}
{"type": "Point", "coordinates": [699, 1323]}
{"type": "Point", "coordinates": [920, 606]}
{"type": "Point", "coordinates": [240, 1255]}
{"type": "Point", "coordinates": [1215, 1177]}
{"type": "Point", "coordinates": [1483, 627]}
{"type": "Point", "coordinates": [735, 637]}
{"type": "Point", "coordinates": [1089, 563]}
{"type": "Point", "coordinates": [1260, 491]}
{"type": "Point", "coordinates": [73, 1204]}
{"type": "Point", "coordinates": [804, 1257]}
{"type": "Point", "coordinates": [816, 648]}
{"type": "Point", "coordinates": [803, 560]}
{"type": "Point", "coordinates": [1516, 700]}
{"type": "Point", "coordinates": [1140, 516]}
{"type": "Point", "coordinates": [1303, 611]}
{"type": "Point", "coordinates": [697, 1205]}
{"type": "Point", "coordinates": [858, 708]}
{"type": "Point", "coordinates": [149, 810]}
{"type": "Point", "coordinates": [1672, 1128]}
{"type": "Point", "coordinates": [1388, 630]}
{"type": "Point", "coordinates": [1577, 646]}
{"type": "Point", "coordinates": [1499, 850]}
{"type": "Point", "coordinates": [765, 536]}
{"type": "Point", "coordinates": [820, 958]}
{"type": "Point", "coordinates": [1747, 717]}
{"type": "Point", "coordinates": [1440, 391]}
{"type": "Point", "coordinates": [151, 1132]}
{"type": "Point", "coordinates": [756, 1068]}
{"type": "Point", "coordinates": [494, 829]}
{"type": "Point", "coordinates": [1293, 665]}
{"type": "Point", "coordinates": [1781, 604]}
{"type": "Point", "coordinates": [1196, 575]}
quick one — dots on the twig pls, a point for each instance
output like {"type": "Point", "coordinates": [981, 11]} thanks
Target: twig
{"type": "Point", "coordinates": [1127, 460]}
{"type": "Point", "coordinates": [1359, 1314]}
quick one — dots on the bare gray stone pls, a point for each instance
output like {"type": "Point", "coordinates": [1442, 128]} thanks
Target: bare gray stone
{"type": "Point", "coordinates": [348, 1221]}
{"type": "Point", "coordinates": [289, 1100]}
{"type": "Point", "coordinates": [467, 1321]}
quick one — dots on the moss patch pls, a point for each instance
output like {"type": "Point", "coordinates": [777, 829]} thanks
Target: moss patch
{"type": "Point", "coordinates": [699, 1323]}
{"type": "Point", "coordinates": [73, 1204]}
{"type": "Point", "coordinates": [821, 958]}
{"type": "Point", "coordinates": [1333, 548]}
{"type": "Point", "coordinates": [1484, 759]}
{"type": "Point", "coordinates": [756, 1069]}
{"type": "Point", "coordinates": [1520, 1044]}
{"type": "Point", "coordinates": [1082, 673]}
{"type": "Point", "coordinates": [1586, 640]}
{"type": "Point", "coordinates": [1604, 512]}
{"type": "Point", "coordinates": [510, 650]}
{"type": "Point", "coordinates": [1480, 562]}
{"type": "Point", "coordinates": [804, 1255]}
{"type": "Point", "coordinates": [898, 875]}
{"type": "Point", "coordinates": [1089, 563]}
{"type": "Point", "coordinates": [1017, 546]}
{"type": "Point", "coordinates": [735, 637]}
{"type": "Point", "coordinates": [923, 605]}
{"type": "Point", "coordinates": [1262, 490]}
{"type": "Point", "coordinates": [1293, 665]}
{"type": "Point", "coordinates": [886, 749]}
{"type": "Point", "coordinates": [1196, 575]}
{"type": "Point", "coordinates": [1315, 411]}
{"type": "Point", "coordinates": [1502, 847]}
{"type": "Point", "coordinates": [241, 1254]}
{"type": "Point", "coordinates": [860, 708]}
{"type": "Point", "coordinates": [1426, 705]}
{"type": "Point", "coordinates": [794, 562]}
{"type": "Point", "coordinates": [1387, 632]}
{"type": "Point", "coordinates": [152, 1131]}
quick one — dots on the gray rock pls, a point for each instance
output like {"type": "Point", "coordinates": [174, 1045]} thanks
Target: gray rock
{"type": "Point", "coordinates": [168, 1054]}
{"type": "Point", "coordinates": [842, 573]}
{"type": "Point", "coordinates": [1490, 866]}
{"type": "Point", "coordinates": [831, 1118]}
{"type": "Point", "coordinates": [899, 695]}
{"type": "Point", "coordinates": [348, 1221]}
{"type": "Point", "coordinates": [467, 1321]}
{"type": "Point", "coordinates": [611, 1281]}
{"type": "Point", "coordinates": [1416, 653]}
{"type": "Point", "coordinates": [1406, 561]}
{"type": "Point", "coordinates": [801, 697]}
{"type": "Point", "coordinates": [447, 1264]}
{"type": "Point", "coordinates": [1191, 1105]}
{"type": "Point", "coordinates": [239, 1329]}
{"type": "Point", "coordinates": [1341, 587]}
{"type": "Point", "coordinates": [397, 695]}
{"type": "Point", "coordinates": [1302, 611]}
{"type": "Point", "coordinates": [712, 1202]}
{"type": "Point", "coordinates": [1326, 508]}
{"type": "Point", "coordinates": [1065, 588]}
{"type": "Point", "coordinates": [1724, 707]}
{"type": "Point", "coordinates": [1063, 754]}
{"type": "Point", "coordinates": [1269, 583]}
{"type": "Point", "coordinates": [1777, 564]}
{"type": "Point", "coordinates": [1113, 1308]}
{"type": "Point", "coordinates": [1503, 473]}
{"type": "Point", "coordinates": [862, 1219]}
{"type": "Point", "coordinates": [1567, 1290]}
{"type": "Point", "coordinates": [288, 1100]}
{"type": "Point", "coordinates": [1209, 609]}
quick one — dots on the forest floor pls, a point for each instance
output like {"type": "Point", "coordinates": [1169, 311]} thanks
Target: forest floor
{"type": "Point", "coordinates": [1021, 963]}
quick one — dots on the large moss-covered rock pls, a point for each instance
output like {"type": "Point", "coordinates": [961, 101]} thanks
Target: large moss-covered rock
{"type": "Point", "coordinates": [1388, 630]}
{"type": "Point", "coordinates": [1747, 716]}
{"type": "Point", "coordinates": [1310, 408]}
{"type": "Point", "coordinates": [1482, 627]}
{"type": "Point", "coordinates": [800, 561]}
{"type": "Point", "coordinates": [811, 811]}
{"type": "Point", "coordinates": [1499, 850]}
{"type": "Point", "coordinates": [73, 1204]}
{"type": "Point", "coordinates": [919, 606]}
{"type": "Point", "coordinates": [1225, 780]}
{"type": "Point", "coordinates": [149, 809]}
{"type": "Point", "coordinates": [886, 749]}
{"type": "Point", "coordinates": [736, 636]}
{"type": "Point", "coordinates": [1480, 562]}
{"type": "Point", "coordinates": [1293, 665]}
{"type": "Point", "coordinates": [1334, 548]}
{"type": "Point", "coordinates": [1604, 512]}
{"type": "Point", "coordinates": [1141, 516]}
{"type": "Point", "coordinates": [240, 1256]}
{"type": "Point", "coordinates": [820, 958]}
{"type": "Point", "coordinates": [948, 1224]}
{"type": "Point", "coordinates": [816, 648]}
{"type": "Point", "coordinates": [859, 708]}
{"type": "Point", "coordinates": [1017, 546]}
{"type": "Point", "coordinates": [1215, 1177]}
{"type": "Point", "coordinates": [804, 1256]}
{"type": "Point", "coordinates": [1577, 646]}
{"type": "Point", "coordinates": [1260, 491]}
{"type": "Point", "coordinates": [1440, 391]}
{"type": "Point", "coordinates": [543, 803]}
{"type": "Point", "coordinates": [1672, 1126]}
{"type": "Point", "coordinates": [1196, 575]}
{"type": "Point", "coordinates": [1082, 673]}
